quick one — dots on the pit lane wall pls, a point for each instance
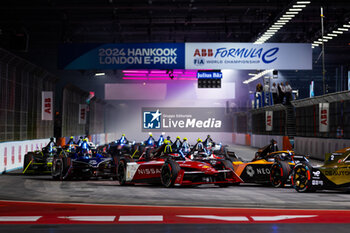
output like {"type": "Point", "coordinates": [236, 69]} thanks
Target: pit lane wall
{"type": "Point", "coordinates": [12, 153]}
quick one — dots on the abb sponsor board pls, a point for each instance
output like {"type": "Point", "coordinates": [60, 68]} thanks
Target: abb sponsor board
{"type": "Point", "coordinates": [324, 117]}
{"type": "Point", "coordinates": [47, 106]}
{"type": "Point", "coordinates": [269, 120]}
{"type": "Point", "coordinates": [82, 114]}
{"type": "Point", "coordinates": [12, 153]}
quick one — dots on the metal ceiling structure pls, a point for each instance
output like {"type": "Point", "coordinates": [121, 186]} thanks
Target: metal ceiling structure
{"type": "Point", "coordinates": [121, 21]}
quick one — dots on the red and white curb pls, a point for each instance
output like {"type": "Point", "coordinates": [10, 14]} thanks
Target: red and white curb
{"type": "Point", "coordinates": [47, 213]}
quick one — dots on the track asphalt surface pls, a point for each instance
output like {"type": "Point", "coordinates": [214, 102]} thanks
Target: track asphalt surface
{"type": "Point", "coordinates": [243, 208]}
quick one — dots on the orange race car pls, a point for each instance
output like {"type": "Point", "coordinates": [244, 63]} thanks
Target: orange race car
{"type": "Point", "coordinates": [268, 166]}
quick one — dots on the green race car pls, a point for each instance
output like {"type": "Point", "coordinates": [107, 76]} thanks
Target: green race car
{"type": "Point", "coordinates": [38, 162]}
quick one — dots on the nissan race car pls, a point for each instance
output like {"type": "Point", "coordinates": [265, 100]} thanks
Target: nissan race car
{"type": "Point", "coordinates": [333, 174]}
{"type": "Point", "coordinates": [38, 162]}
{"type": "Point", "coordinates": [268, 167]}
{"type": "Point", "coordinates": [170, 169]}
{"type": "Point", "coordinates": [73, 163]}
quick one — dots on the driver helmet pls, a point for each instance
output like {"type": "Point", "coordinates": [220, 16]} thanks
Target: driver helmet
{"type": "Point", "coordinates": [71, 137]}
{"type": "Point", "coordinates": [199, 140]}
{"type": "Point", "coordinates": [178, 137]}
{"type": "Point", "coordinates": [150, 134]}
{"type": "Point", "coordinates": [185, 139]}
{"type": "Point", "coordinates": [123, 135]}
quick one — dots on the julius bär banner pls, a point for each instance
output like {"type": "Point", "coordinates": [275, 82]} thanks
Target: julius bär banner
{"type": "Point", "coordinates": [269, 120]}
{"type": "Point", "coordinates": [241, 56]}
{"type": "Point", "coordinates": [186, 120]}
{"type": "Point", "coordinates": [122, 56]}
{"type": "Point", "coordinates": [248, 56]}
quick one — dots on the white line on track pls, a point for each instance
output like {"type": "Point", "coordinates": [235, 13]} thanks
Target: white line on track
{"type": "Point", "coordinates": [139, 218]}
{"type": "Point", "coordinates": [280, 217]}
{"type": "Point", "coordinates": [90, 218]}
{"type": "Point", "coordinates": [19, 218]}
{"type": "Point", "coordinates": [216, 217]}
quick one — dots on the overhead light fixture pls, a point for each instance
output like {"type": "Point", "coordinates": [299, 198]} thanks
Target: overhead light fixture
{"type": "Point", "coordinates": [299, 6]}
{"type": "Point", "coordinates": [100, 74]}
{"type": "Point", "coordinates": [251, 74]}
{"type": "Point", "coordinates": [257, 76]}
{"type": "Point", "coordinates": [281, 21]}
{"type": "Point", "coordinates": [295, 9]}
{"type": "Point", "coordinates": [314, 44]}
{"type": "Point", "coordinates": [335, 33]}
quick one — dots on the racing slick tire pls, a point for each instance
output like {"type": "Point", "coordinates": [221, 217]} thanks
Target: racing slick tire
{"type": "Point", "coordinates": [27, 159]}
{"type": "Point", "coordinates": [227, 165]}
{"type": "Point", "coordinates": [121, 170]}
{"type": "Point", "coordinates": [169, 172]}
{"type": "Point", "coordinates": [279, 173]}
{"type": "Point", "coordinates": [60, 167]}
{"type": "Point", "coordinates": [302, 178]}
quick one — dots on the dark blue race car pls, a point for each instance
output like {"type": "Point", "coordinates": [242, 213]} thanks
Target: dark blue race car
{"type": "Point", "coordinates": [78, 164]}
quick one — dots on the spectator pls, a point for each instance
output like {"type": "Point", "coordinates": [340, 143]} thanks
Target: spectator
{"type": "Point", "coordinates": [259, 87]}
{"type": "Point", "coordinates": [274, 93]}
{"type": "Point", "coordinates": [281, 92]}
{"type": "Point", "coordinates": [288, 93]}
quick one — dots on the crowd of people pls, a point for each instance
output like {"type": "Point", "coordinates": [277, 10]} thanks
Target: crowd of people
{"type": "Point", "coordinates": [281, 93]}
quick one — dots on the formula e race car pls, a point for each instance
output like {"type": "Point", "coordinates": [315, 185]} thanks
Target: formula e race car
{"type": "Point", "coordinates": [161, 166]}
{"type": "Point", "coordinates": [268, 167]}
{"type": "Point", "coordinates": [75, 163]}
{"type": "Point", "coordinates": [333, 174]}
{"type": "Point", "coordinates": [38, 162]}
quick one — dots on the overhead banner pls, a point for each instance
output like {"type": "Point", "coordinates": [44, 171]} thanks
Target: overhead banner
{"type": "Point", "coordinates": [82, 113]}
{"type": "Point", "coordinates": [122, 56]}
{"type": "Point", "coordinates": [186, 120]}
{"type": "Point", "coordinates": [324, 117]}
{"type": "Point", "coordinates": [248, 56]}
{"type": "Point", "coordinates": [240, 56]}
{"type": "Point", "coordinates": [46, 105]}
{"type": "Point", "coordinates": [269, 120]}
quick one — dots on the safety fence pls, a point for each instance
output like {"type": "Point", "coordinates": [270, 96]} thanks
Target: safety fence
{"type": "Point", "coordinates": [277, 121]}
{"type": "Point", "coordinates": [325, 116]}
{"type": "Point", "coordinates": [73, 119]}
{"type": "Point", "coordinates": [21, 86]}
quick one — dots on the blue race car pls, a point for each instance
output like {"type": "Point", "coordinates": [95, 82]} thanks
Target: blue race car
{"type": "Point", "coordinates": [80, 164]}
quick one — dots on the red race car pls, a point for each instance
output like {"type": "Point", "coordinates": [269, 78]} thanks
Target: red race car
{"type": "Point", "coordinates": [162, 166]}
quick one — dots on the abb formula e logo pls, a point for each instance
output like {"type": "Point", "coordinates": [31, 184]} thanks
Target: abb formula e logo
{"type": "Point", "coordinates": [152, 120]}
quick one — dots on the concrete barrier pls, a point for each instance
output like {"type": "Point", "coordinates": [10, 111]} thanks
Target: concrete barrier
{"type": "Point", "coordinates": [262, 140]}
{"type": "Point", "coordinates": [12, 153]}
{"type": "Point", "coordinates": [318, 147]}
